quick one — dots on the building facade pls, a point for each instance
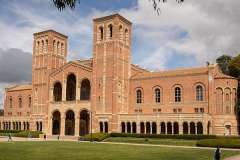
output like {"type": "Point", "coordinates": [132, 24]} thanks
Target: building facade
{"type": "Point", "coordinates": [109, 94]}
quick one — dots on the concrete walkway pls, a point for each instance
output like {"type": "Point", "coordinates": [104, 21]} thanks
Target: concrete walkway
{"type": "Point", "coordinates": [233, 158]}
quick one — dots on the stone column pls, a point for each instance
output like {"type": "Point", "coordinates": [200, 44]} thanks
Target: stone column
{"type": "Point", "coordinates": [138, 127]}
{"type": "Point", "coordinates": [158, 129]}
{"type": "Point", "coordinates": [50, 125]}
{"type": "Point", "coordinates": [180, 125]}
{"type": "Point", "coordinates": [166, 131]}
{"type": "Point", "coordinates": [195, 128]}
{"type": "Point", "coordinates": [77, 121]}
{"type": "Point", "coordinates": [172, 128]}
{"type": "Point", "coordinates": [62, 130]}
{"type": "Point", "coordinates": [78, 85]}
{"type": "Point", "coordinates": [189, 127]}
{"type": "Point", "coordinates": [64, 90]}
{"type": "Point", "coordinates": [150, 128]}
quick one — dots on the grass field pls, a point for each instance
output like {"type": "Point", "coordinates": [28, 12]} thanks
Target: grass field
{"type": "Point", "coordinates": [176, 142]}
{"type": "Point", "coordinates": [59, 150]}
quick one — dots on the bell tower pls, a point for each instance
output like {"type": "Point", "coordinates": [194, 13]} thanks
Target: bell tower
{"type": "Point", "coordinates": [49, 53]}
{"type": "Point", "coordinates": [111, 67]}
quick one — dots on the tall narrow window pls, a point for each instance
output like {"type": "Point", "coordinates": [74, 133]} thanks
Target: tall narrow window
{"type": "Point", "coordinates": [10, 102]}
{"type": "Point", "coordinates": [20, 102]}
{"type": "Point", "coordinates": [101, 33]}
{"type": "Point", "coordinates": [126, 36]}
{"type": "Point", "coordinates": [157, 95]}
{"type": "Point", "coordinates": [199, 93]}
{"type": "Point", "coordinates": [110, 27]}
{"type": "Point", "coordinates": [120, 33]}
{"type": "Point", "coordinates": [139, 96]}
{"type": "Point", "coordinates": [29, 101]}
{"type": "Point", "coordinates": [177, 94]}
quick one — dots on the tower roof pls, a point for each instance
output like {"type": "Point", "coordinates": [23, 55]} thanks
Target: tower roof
{"type": "Point", "coordinates": [111, 17]}
{"type": "Point", "coordinates": [51, 31]}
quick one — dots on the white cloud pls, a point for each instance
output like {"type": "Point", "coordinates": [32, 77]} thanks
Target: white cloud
{"type": "Point", "coordinates": [211, 27]}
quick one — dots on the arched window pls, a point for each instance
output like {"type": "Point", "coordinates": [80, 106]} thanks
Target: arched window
{"type": "Point", "coordinates": [42, 47]}
{"type": "Point", "coordinates": [157, 95]}
{"type": "Point", "coordinates": [177, 94]}
{"type": "Point", "coordinates": [219, 100]}
{"type": "Point", "coordinates": [120, 33]}
{"type": "Point", "coordinates": [29, 101]}
{"type": "Point", "coordinates": [199, 93]}
{"type": "Point", "coordinates": [20, 102]}
{"type": "Point", "coordinates": [54, 47]}
{"type": "Point", "coordinates": [71, 88]}
{"type": "Point", "coordinates": [139, 96]}
{"type": "Point", "coordinates": [126, 36]}
{"type": "Point", "coordinates": [62, 49]}
{"type": "Point", "coordinates": [10, 102]}
{"type": "Point", "coordinates": [101, 33]}
{"type": "Point", "coordinates": [110, 30]}
{"type": "Point", "coordinates": [85, 90]}
{"type": "Point", "coordinates": [57, 92]}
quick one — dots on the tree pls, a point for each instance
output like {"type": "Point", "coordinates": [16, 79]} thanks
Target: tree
{"type": "Point", "coordinates": [234, 67]}
{"type": "Point", "coordinates": [223, 62]}
{"type": "Point", "coordinates": [62, 4]}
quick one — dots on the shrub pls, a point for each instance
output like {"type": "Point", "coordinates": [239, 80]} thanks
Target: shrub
{"type": "Point", "coordinates": [32, 134]}
{"type": "Point", "coordinates": [187, 137]}
{"type": "Point", "coordinates": [10, 131]}
{"type": "Point", "coordinates": [95, 137]}
{"type": "Point", "coordinates": [221, 142]}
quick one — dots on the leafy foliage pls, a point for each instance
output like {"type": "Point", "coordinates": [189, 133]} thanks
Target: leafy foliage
{"type": "Point", "coordinates": [188, 137]}
{"type": "Point", "coordinates": [223, 62]}
{"type": "Point", "coordinates": [62, 4]}
{"type": "Point", "coordinates": [223, 143]}
{"type": "Point", "coordinates": [96, 137]}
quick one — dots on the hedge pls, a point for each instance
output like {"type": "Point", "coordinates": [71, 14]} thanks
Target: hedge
{"type": "Point", "coordinates": [187, 137]}
{"type": "Point", "coordinates": [221, 142]}
{"type": "Point", "coordinates": [10, 131]}
{"type": "Point", "coordinates": [95, 137]}
{"type": "Point", "coordinates": [32, 134]}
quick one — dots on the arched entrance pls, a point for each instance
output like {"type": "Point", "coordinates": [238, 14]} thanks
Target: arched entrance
{"type": "Point", "coordinates": [227, 130]}
{"type": "Point", "coordinates": [123, 127]}
{"type": "Point", "coordinates": [69, 123]}
{"type": "Point", "coordinates": [185, 127]}
{"type": "Point", "coordinates": [134, 127]}
{"type": "Point", "coordinates": [199, 128]}
{"type": "Point", "coordinates": [192, 128]}
{"type": "Point", "coordinates": [169, 128]}
{"type": "Point", "coordinates": [175, 128]}
{"type": "Point", "coordinates": [163, 128]}
{"type": "Point", "coordinates": [84, 122]}
{"type": "Point", "coordinates": [154, 128]}
{"type": "Point", "coordinates": [56, 123]}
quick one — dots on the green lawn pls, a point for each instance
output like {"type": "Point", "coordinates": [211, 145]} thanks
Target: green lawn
{"type": "Point", "coordinates": [95, 151]}
{"type": "Point", "coordinates": [176, 142]}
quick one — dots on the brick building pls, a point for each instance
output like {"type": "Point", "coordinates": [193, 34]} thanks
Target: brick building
{"type": "Point", "coordinates": [109, 94]}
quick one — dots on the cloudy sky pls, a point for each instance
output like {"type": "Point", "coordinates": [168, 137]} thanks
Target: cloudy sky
{"type": "Point", "coordinates": [185, 35]}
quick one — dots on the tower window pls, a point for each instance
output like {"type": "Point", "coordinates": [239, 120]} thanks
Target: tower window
{"type": "Point", "coordinates": [101, 33]}
{"type": "Point", "coordinates": [110, 27]}
{"type": "Point", "coordinates": [20, 102]}
{"type": "Point", "coordinates": [10, 102]}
